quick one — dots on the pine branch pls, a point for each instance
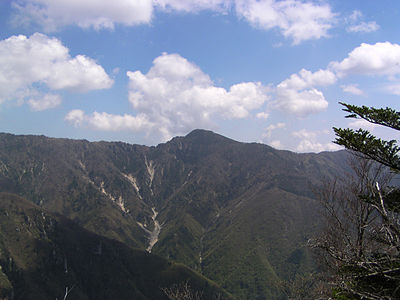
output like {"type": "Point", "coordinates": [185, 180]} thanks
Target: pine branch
{"type": "Point", "coordinates": [381, 116]}
{"type": "Point", "coordinates": [384, 152]}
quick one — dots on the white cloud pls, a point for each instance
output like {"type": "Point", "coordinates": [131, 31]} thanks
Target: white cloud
{"type": "Point", "coordinates": [193, 5]}
{"type": "Point", "coordinates": [298, 96]}
{"type": "Point", "coordinates": [355, 16]}
{"type": "Point", "coordinates": [305, 134]}
{"type": "Point", "coordinates": [313, 146]}
{"type": "Point", "coordinates": [352, 89]}
{"type": "Point", "coordinates": [80, 74]}
{"type": "Point", "coordinates": [361, 26]}
{"type": "Point", "coordinates": [393, 89]}
{"type": "Point", "coordinates": [309, 141]}
{"type": "Point", "coordinates": [380, 59]}
{"type": "Point", "coordinates": [276, 144]}
{"type": "Point", "coordinates": [44, 102]}
{"type": "Point", "coordinates": [361, 123]}
{"type": "Point", "coordinates": [301, 103]}
{"type": "Point", "coordinates": [306, 79]}
{"type": "Point", "coordinates": [108, 122]}
{"type": "Point", "coordinates": [271, 128]}
{"type": "Point", "coordinates": [364, 27]}
{"type": "Point", "coordinates": [174, 97]}
{"type": "Point", "coordinates": [76, 117]}
{"type": "Point", "coordinates": [177, 96]}
{"type": "Point", "coordinates": [296, 19]}
{"type": "Point", "coordinates": [30, 65]}
{"type": "Point", "coordinates": [262, 115]}
{"type": "Point", "coordinates": [367, 59]}
{"type": "Point", "coordinates": [52, 15]}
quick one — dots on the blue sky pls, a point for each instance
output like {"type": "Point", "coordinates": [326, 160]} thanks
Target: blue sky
{"type": "Point", "coordinates": [143, 71]}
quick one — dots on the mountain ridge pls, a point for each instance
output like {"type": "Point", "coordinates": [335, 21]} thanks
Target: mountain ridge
{"type": "Point", "coordinates": [235, 212]}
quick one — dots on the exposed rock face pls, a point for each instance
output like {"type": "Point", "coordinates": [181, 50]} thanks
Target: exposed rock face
{"type": "Point", "coordinates": [47, 256]}
{"type": "Point", "coordinates": [235, 212]}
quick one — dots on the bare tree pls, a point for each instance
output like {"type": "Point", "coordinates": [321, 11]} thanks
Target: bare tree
{"type": "Point", "coordinates": [360, 241]}
{"type": "Point", "coordinates": [183, 291]}
{"type": "Point", "coordinates": [67, 291]}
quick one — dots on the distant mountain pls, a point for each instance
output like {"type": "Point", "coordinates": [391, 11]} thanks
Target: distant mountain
{"type": "Point", "coordinates": [238, 213]}
{"type": "Point", "coordinates": [44, 255]}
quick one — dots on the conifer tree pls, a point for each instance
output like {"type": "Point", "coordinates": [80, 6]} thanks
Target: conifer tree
{"type": "Point", "coordinates": [373, 270]}
{"type": "Point", "coordinates": [362, 141]}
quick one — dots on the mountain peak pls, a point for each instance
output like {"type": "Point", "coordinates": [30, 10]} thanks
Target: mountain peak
{"type": "Point", "coordinates": [206, 137]}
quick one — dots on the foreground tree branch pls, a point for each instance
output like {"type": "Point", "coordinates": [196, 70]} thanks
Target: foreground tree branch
{"type": "Point", "coordinates": [360, 243]}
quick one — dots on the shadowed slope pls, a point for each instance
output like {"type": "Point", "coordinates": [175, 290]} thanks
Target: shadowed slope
{"type": "Point", "coordinates": [42, 254]}
{"type": "Point", "coordinates": [238, 213]}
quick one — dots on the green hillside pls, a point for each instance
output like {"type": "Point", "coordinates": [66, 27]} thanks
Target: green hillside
{"type": "Point", "coordinates": [42, 254]}
{"type": "Point", "coordinates": [240, 214]}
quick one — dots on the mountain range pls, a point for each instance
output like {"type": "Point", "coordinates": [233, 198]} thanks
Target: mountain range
{"type": "Point", "coordinates": [235, 216]}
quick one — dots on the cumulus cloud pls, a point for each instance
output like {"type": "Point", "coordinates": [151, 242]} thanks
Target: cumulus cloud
{"type": "Point", "coordinates": [367, 59]}
{"type": "Point", "coordinates": [305, 79]}
{"type": "Point", "coordinates": [52, 15]}
{"type": "Point", "coordinates": [108, 122]}
{"type": "Point", "coordinates": [271, 128]}
{"type": "Point", "coordinates": [29, 65]}
{"type": "Point", "coordinates": [76, 117]}
{"type": "Point", "coordinates": [44, 102]}
{"type": "Point", "coordinates": [103, 14]}
{"type": "Point", "coordinates": [380, 59]}
{"type": "Point", "coordinates": [305, 134]}
{"type": "Point", "coordinates": [352, 89]}
{"type": "Point", "coordinates": [298, 95]}
{"type": "Point", "coordinates": [313, 146]}
{"type": "Point", "coordinates": [176, 96]}
{"type": "Point", "coordinates": [298, 20]}
{"type": "Point", "coordinates": [309, 142]}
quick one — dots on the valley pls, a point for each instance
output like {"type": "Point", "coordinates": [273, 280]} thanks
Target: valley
{"type": "Point", "coordinates": [153, 234]}
{"type": "Point", "coordinates": [239, 214]}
